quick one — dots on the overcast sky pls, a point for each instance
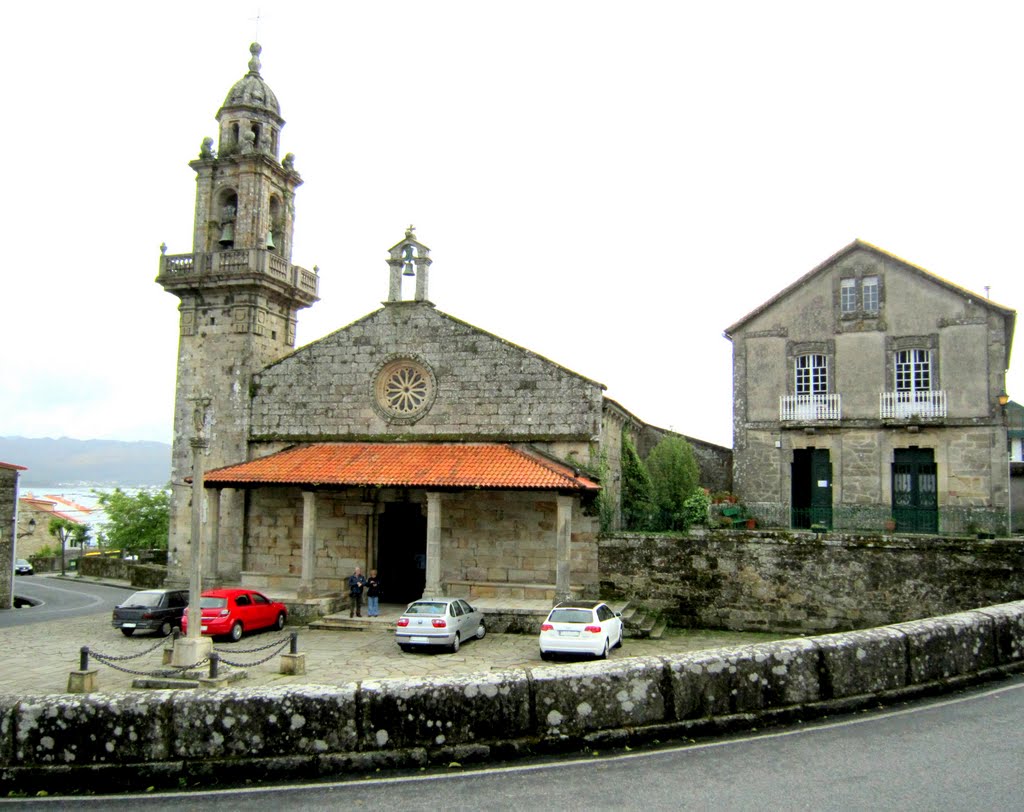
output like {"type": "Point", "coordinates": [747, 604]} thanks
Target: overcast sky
{"type": "Point", "coordinates": [610, 185]}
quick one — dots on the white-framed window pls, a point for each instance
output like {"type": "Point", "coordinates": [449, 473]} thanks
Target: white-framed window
{"type": "Point", "coordinates": [811, 374]}
{"type": "Point", "coordinates": [913, 370]}
{"type": "Point", "coordinates": [869, 293]}
{"type": "Point", "coordinates": [848, 295]}
{"type": "Point", "coordinates": [860, 296]}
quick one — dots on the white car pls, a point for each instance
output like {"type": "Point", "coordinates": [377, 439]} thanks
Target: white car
{"type": "Point", "coordinates": [580, 627]}
{"type": "Point", "coordinates": [444, 622]}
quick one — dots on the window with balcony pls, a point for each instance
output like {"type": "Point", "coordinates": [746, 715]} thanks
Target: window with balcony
{"type": "Point", "coordinates": [913, 394]}
{"type": "Point", "coordinates": [811, 400]}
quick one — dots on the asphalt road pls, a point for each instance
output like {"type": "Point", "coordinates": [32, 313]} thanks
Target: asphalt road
{"type": "Point", "coordinates": [60, 599]}
{"type": "Point", "coordinates": [963, 752]}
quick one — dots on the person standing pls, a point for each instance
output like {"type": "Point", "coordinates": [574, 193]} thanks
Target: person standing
{"type": "Point", "coordinates": [356, 582]}
{"type": "Point", "coordinates": [373, 594]}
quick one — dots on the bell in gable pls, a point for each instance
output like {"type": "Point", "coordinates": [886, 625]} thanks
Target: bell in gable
{"type": "Point", "coordinates": [270, 240]}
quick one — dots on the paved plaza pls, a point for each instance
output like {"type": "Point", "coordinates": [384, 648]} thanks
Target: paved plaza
{"type": "Point", "coordinates": [38, 657]}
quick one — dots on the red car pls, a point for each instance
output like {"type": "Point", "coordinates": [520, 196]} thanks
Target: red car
{"type": "Point", "coordinates": [234, 612]}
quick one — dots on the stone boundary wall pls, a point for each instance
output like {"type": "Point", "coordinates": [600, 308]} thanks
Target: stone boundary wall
{"type": "Point", "coordinates": [91, 742]}
{"type": "Point", "coordinates": [801, 582]}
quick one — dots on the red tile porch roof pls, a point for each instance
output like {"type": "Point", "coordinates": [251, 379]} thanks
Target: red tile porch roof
{"type": "Point", "coordinates": [411, 465]}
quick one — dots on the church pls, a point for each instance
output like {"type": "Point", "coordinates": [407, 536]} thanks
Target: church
{"type": "Point", "coordinates": [447, 458]}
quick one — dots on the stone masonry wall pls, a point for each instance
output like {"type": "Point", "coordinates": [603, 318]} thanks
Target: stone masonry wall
{"type": "Point", "coordinates": [90, 742]}
{"type": "Point", "coordinates": [510, 537]}
{"type": "Point", "coordinates": [801, 582]}
{"type": "Point", "coordinates": [486, 387]}
{"type": "Point", "coordinates": [503, 536]}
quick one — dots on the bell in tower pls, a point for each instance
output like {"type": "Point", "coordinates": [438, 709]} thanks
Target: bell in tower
{"type": "Point", "coordinates": [408, 258]}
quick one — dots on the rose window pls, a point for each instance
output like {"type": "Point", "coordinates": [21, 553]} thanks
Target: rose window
{"type": "Point", "coordinates": [404, 389]}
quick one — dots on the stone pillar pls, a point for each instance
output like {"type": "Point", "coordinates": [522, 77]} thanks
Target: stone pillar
{"type": "Point", "coordinates": [563, 536]}
{"type": "Point", "coordinates": [432, 589]}
{"type": "Point", "coordinates": [306, 587]}
{"type": "Point", "coordinates": [213, 534]}
{"type": "Point", "coordinates": [194, 648]}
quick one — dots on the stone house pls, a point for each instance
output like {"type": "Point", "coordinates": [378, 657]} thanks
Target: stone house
{"type": "Point", "coordinates": [410, 441]}
{"type": "Point", "coordinates": [868, 391]}
{"type": "Point", "coordinates": [34, 515]}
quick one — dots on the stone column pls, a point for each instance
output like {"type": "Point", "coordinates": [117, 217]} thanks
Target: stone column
{"type": "Point", "coordinates": [306, 587]}
{"type": "Point", "coordinates": [563, 536]}
{"type": "Point", "coordinates": [213, 533]}
{"type": "Point", "coordinates": [432, 589]}
{"type": "Point", "coordinates": [194, 648]}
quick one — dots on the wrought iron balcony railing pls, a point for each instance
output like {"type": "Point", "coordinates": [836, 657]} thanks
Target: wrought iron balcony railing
{"type": "Point", "coordinates": [810, 407]}
{"type": "Point", "coordinates": [905, 405]}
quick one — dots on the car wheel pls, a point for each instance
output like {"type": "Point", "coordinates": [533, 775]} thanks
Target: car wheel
{"type": "Point", "coordinates": [546, 655]}
{"type": "Point", "coordinates": [604, 653]}
{"type": "Point", "coordinates": [404, 647]}
{"type": "Point", "coordinates": [619, 644]}
{"type": "Point", "coordinates": [236, 631]}
{"type": "Point", "coordinates": [165, 628]}
{"type": "Point", "coordinates": [127, 632]}
{"type": "Point", "coordinates": [480, 632]}
{"type": "Point", "coordinates": [280, 621]}
{"type": "Point", "coordinates": [455, 643]}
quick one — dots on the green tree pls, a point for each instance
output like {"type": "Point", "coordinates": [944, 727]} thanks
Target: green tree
{"type": "Point", "coordinates": [68, 532]}
{"type": "Point", "coordinates": [674, 476]}
{"type": "Point", "coordinates": [637, 507]}
{"type": "Point", "coordinates": [136, 521]}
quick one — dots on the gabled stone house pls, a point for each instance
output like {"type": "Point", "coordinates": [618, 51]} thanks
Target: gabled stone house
{"type": "Point", "coordinates": [868, 392]}
{"type": "Point", "coordinates": [446, 457]}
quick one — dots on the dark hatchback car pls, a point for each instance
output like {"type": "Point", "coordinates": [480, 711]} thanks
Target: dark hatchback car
{"type": "Point", "coordinates": [151, 610]}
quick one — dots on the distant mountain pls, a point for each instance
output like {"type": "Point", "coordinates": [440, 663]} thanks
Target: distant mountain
{"type": "Point", "coordinates": [87, 462]}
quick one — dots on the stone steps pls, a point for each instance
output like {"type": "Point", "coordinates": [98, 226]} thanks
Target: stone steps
{"type": "Point", "coordinates": [641, 624]}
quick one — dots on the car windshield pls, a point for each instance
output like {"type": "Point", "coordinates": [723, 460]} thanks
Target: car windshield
{"type": "Point", "coordinates": [22, 562]}
{"type": "Point", "coordinates": [144, 599]}
{"type": "Point", "coordinates": [571, 616]}
{"type": "Point", "coordinates": [212, 603]}
{"type": "Point", "coordinates": [426, 609]}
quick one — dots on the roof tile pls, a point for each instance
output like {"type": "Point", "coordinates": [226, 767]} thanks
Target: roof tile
{"type": "Point", "coordinates": [436, 465]}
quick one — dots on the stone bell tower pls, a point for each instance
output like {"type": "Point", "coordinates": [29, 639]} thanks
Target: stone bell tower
{"type": "Point", "coordinates": [240, 296]}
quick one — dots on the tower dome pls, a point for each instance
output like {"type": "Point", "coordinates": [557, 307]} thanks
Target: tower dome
{"type": "Point", "coordinates": [251, 91]}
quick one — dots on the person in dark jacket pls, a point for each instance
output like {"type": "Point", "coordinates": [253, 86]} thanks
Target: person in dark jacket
{"type": "Point", "coordinates": [356, 582]}
{"type": "Point", "coordinates": [373, 594]}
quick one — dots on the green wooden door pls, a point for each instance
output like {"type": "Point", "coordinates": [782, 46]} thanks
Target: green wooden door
{"type": "Point", "coordinates": [915, 503]}
{"type": "Point", "coordinates": [811, 487]}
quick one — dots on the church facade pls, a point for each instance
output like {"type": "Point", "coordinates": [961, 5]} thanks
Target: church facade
{"type": "Point", "coordinates": [447, 458]}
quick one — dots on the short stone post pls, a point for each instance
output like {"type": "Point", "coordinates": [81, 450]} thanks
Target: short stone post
{"type": "Point", "coordinates": [83, 680]}
{"type": "Point", "coordinates": [215, 679]}
{"type": "Point", "coordinates": [293, 662]}
{"type": "Point", "coordinates": [168, 653]}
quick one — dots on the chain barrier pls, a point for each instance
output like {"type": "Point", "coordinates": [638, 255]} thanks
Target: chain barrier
{"type": "Point", "coordinates": [111, 660]}
{"type": "Point", "coordinates": [247, 650]}
{"type": "Point", "coordinates": [121, 657]}
{"type": "Point", "coordinates": [167, 672]}
{"type": "Point", "coordinates": [280, 647]}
